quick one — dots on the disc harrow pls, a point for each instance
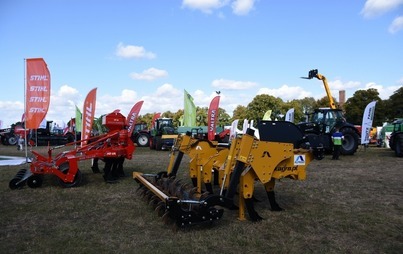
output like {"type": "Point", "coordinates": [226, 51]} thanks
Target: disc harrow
{"type": "Point", "coordinates": [178, 202]}
{"type": "Point", "coordinates": [282, 151]}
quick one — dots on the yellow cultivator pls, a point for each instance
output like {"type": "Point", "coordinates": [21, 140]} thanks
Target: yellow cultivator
{"type": "Point", "coordinates": [281, 152]}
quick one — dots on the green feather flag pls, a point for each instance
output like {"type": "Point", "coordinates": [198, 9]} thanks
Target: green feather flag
{"type": "Point", "coordinates": [190, 111]}
{"type": "Point", "coordinates": [79, 119]}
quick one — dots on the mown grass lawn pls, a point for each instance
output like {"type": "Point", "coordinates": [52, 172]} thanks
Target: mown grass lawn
{"type": "Point", "coordinates": [354, 205]}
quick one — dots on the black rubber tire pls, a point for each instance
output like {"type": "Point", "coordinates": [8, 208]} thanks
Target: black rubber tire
{"type": "Point", "coordinates": [35, 181]}
{"type": "Point", "coordinates": [4, 140]}
{"type": "Point", "coordinates": [143, 140]}
{"type": "Point", "coordinates": [77, 178]}
{"type": "Point", "coordinates": [152, 143]}
{"type": "Point", "coordinates": [13, 184]}
{"type": "Point", "coordinates": [70, 137]}
{"type": "Point", "coordinates": [399, 145]}
{"type": "Point", "coordinates": [12, 140]}
{"type": "Point", "coordinates": [350, 141]}
{"type": "Point", "coordinates": [158, 145]}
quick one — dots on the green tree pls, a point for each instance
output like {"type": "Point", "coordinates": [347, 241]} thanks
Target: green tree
{"type": "Point", "coordinates": [355, 106]}
{"type": "Point", "coordinates": [239, 113]}
{"type": "Point", "coordinates": [325, 103]}
{"type": "Point", "coordinates": [260, 104]}
{"type": "Point", "coordinates": [299, 115]}
{"type": "Point", "coordinates": [168, 114]}
{"type": "Point", "coordinates": [223, 118]}
{"type": "Point", "coordinates": [394, 105]}
{"type": "Point", "coordinates": [147, 118]}
{"type": "Point", "coordinates": [201, 116]}
{"type": "Point", "coordinates": [308, 105]}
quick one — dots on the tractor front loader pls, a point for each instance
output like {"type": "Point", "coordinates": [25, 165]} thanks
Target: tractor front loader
{"type": "Point", "coordinates": [114, 145]}
{"type": "Point", "coordinates": [281, 152]}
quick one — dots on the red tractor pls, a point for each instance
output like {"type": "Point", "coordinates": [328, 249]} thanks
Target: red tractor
{"type": "Point", "coordinates": [116, 145]}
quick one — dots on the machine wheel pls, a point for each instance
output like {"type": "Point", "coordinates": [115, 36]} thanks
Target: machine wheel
{"type": "Point", "coordinates": [3, 140]}
{"type": "Point", "coordinates": [12, 140]}
{"type": "Point", "coordinates": [152, 143]}
{"type": "Point", "coordinates": [350, 142]}
{"type": "Point", "coordinates": [35, 181]}
{"type": "Point", "coordinates": [158, 145]}
{"type": "Point", "coordinates": [143, 140]}
{"type": "Point", "coordinates": [17, 182]}
{"type": "Point", "coordinates": [70, 137]}
{"type": "Point", "coordinates": [65, 167]}
{"type": "Point", "coordinates": [399, 145]}
{"type": "Point", "coordinates": [15, 185]}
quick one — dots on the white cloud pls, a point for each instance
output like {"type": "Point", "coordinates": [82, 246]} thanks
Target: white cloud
{"type": "Point", "coordinates": [242, 7]}
{"type": "Point", "coordinates": [239, 7]}
{"type": "Point", "coordinates": [232, 84]}
{"type": "Point", "coordinates": [11, 112]}
{"type": "Point", "coordinates": [374, 8]}
{"type": "Point", "coordinates": [396, 25]}
{"type": "Point", "coordinates": [132, 51]}
{"type": "Point", "coordinates": [384, 92]}
{"type": "Point", "coordinates": [149, 74]}
{"type": "Point", "coordinates": [206, 6]}
{"type": "Point", "coordinates": [166, 98]}
{"type": "Point", "coordinates": [339, 85]}
{"type": "Point", "coordinates": [67, 91]}
{"type": "Point", "coordinates": [286, 93]}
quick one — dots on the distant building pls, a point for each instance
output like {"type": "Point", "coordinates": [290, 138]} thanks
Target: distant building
{"type": "Point", "coordinates": [342, 97]}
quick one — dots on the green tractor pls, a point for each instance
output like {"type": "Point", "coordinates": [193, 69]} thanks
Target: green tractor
{"type": "Point", "coordinates": [162, 134]}
{"type": "Point", "coordinates": [396, 138]}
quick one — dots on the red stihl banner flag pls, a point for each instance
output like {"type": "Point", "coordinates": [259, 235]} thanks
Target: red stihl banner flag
{"type": "Point", "coordinates": [212, 117]}
{"type": "Point", "coordinates": [132, 117]}
{"type": "Point", "coordinates": [38, 92]}
{"type": "Point", "coordinates": [88, 114]}
{"type": "Point", "coordinates": [155, 117]}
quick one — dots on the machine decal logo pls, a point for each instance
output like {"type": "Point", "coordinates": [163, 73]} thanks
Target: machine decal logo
{"type": "Point", "coordinates": [299, 159]}
{"type": "Point", "coordinates": [266, 153]}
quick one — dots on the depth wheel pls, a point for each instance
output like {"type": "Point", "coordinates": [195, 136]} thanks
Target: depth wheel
{"type": "Point", "coordinates": [64, 168]}
{"type": "Point", "coordinates": [16, 183]}
{"type": "Point", "coordinates": [35, 181]}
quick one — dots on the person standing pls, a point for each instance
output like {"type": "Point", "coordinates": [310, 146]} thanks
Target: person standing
{"type": "Point", "coordinates": [337, 138]}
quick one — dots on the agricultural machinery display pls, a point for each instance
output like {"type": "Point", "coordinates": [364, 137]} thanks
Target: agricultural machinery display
{"type": "Point", "coordinates": [110, 147]}
{"type": "Point", "coordinates": [396, 137]}
{"type": "Point", "coordinates": [162, 134]}
{"type": "Point", "coordinates": [48, 135]}
{"type": "Point", "coordinates": [281, 152]}
{"type": "Point", "coordinates": [324, 121]}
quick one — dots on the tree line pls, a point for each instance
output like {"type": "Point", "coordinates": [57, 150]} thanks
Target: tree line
{"type": "Point", "coordinates": [385, 111]}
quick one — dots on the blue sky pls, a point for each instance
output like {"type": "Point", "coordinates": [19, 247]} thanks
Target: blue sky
{"type": "Point", "coordinates": [152, 50]}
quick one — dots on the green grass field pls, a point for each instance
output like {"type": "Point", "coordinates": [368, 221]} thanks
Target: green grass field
{"type": "Point", "coordinates": [354, 205]}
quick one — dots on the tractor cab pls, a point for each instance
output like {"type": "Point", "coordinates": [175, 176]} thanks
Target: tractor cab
{"type": "Point", "coordinates": [326, 119]}
{"type": "Point", "coordinates": [164, 126]}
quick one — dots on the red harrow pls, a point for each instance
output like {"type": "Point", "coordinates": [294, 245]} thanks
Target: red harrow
{"type": "Point", "coordinates": [112, 146]}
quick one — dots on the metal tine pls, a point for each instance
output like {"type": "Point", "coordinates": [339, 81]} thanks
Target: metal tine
{"type": "Point", "coordinates": [167, 219]}
{"type": "Point", "coordinates": [154, 201]}
{"type": "Point", "coordinates": [193, 194]}
{"type": "Point", "coordinates": [160, 208]}
{"type": "Point", "coordinates": [174, 186]}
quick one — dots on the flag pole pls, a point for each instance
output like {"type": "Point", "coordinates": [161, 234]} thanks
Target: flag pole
{"type": "Point", "coordinates": [25, 112]}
